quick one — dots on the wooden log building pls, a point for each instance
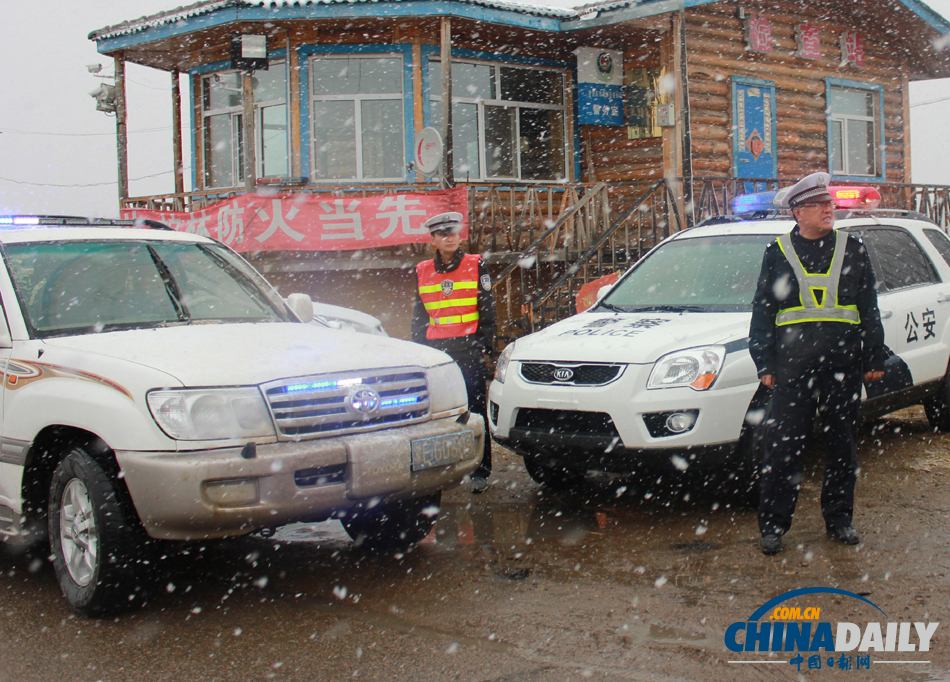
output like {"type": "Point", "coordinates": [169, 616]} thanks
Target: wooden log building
{"type": "Point", "coordinates": [565, 117]}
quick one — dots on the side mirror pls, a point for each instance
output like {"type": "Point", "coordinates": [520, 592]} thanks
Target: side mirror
{"type": "Point", "coordinates": [302, 305]}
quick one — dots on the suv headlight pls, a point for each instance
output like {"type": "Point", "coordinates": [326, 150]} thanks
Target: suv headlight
{"type": "Point", "coordinates": [211, 413]}
{"type": "Point", "coordinates": [501, 367]}
{"type": "Point", "coordinates": [693, 367]}
{"type": "Point", "coordinates": [446, 388]}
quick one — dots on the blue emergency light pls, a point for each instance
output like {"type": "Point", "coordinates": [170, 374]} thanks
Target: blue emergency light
{"type": "Point", "coordinates": [19, 220]}
{"type": "Point", "coordinates": [751, 203]}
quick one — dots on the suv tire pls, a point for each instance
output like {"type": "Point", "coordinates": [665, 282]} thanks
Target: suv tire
{"type": "Point", "coordinates": [937, 407]}
{"type": "Point", "coordinates": [393, 526]}
{"type": "Point", "coordinates": [93, 543]}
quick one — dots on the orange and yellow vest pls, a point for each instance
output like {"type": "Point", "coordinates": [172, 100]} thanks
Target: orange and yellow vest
{"type": "Point", "coordinates": [450, 298]}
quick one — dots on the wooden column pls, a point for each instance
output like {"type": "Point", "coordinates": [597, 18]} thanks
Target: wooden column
{"type": "Point", "coordinates": [905, 101]}
{"type": "Point", "coordinates": [293, 80]}
{"type": "Point", "coordinates": [121, 131]}
{"type": "Point", "coordinates": [448, 162]}
{"type": "Point", "coordinates": [682, 108]}
{"type": "Point", "coordinates": [176, 134]}
{"type": "Point", "coordinates": [417, 110]}
{"type": "Point", "coordinates": [247, 120]}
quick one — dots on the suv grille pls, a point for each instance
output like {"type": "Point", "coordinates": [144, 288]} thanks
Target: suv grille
{"type": "Point", "coordinates": [577, 375]}
{"type": "Point", "coordinates": [349, 402]}
{"type": "Point", "coordinates": [566, 422]}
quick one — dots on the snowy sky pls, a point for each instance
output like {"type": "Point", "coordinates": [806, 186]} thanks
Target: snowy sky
{"type": "Point", "coordinates": [58, 154]}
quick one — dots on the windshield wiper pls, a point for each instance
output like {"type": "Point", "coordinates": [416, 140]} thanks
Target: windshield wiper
{"type": "Point", "coordinates": [666, 308]}
{"type": "Point", "coordinates": [611, 307]}
{"type": "Point", "coordinates": [171, 286]}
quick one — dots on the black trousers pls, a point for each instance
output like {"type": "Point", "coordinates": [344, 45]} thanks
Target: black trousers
{"type": "Point", "coordinates": [472, 364]}
{"type": "Point", "coordinates": [835, 394]}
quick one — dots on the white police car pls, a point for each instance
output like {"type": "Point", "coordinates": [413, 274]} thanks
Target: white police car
{"type": "Point", "coordinates": [658, 372]}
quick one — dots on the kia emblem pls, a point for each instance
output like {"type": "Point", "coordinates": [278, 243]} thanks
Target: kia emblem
{"type": "Point", "coordinates": [563, 373]}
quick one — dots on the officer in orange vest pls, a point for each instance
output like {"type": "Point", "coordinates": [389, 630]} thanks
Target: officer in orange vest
{"type": "Point", "coordinates": [455, 313]}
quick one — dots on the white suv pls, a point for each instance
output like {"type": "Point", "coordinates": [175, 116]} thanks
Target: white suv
{"type": "Point", "coordinates": [156, 387]}
{"type": "Point", "coordinates": [658, 372]}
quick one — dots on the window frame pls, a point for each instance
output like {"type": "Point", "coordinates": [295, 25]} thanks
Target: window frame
{"type": "Point", "coordinates": [401, 51]}
{"type": "Point", "coordinates": [880, 158]}
{"type": "Point", "coordinates": [431, 93]}
{"type": "Point", "coordinates": [198, 116]}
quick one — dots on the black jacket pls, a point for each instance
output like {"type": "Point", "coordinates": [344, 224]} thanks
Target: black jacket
{"type": "Point", "coordinates": [482, 339]}
{"type": "Point", "coordinates": [810, 345]}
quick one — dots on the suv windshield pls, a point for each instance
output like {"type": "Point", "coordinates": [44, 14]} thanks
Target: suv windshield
{"type": "Point", "coordinates": [714, 274]}
{"type": "Point", "coordinates": [81, 287]}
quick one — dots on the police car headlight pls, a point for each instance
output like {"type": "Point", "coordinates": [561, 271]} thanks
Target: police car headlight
{"type": "Point", "coordinates": [446, 388]}
{"type": "Point", "coordinates": [501, 367]}
{"type": "Point", "coordinates": [693, 367]}
{"type": "Point", "coordinates": [211, 414]}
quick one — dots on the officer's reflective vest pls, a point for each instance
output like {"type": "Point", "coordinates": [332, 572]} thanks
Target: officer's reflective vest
{"type": "Point", "coordinates": [818, 292]}
{"type": "Point", "coordinates": [450, 298]}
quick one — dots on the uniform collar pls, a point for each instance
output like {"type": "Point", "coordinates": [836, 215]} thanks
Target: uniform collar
{"type": "Point", "coordinates": [451, 265]}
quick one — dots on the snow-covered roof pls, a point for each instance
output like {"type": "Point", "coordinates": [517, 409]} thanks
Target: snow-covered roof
{"type": "Point", "coordinates": [208, 6]}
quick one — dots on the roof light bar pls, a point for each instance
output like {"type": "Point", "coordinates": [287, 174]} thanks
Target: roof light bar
{"type": "Point", "coordinates": [750, 203]}
{"type": "Point", "coordinates": [855, 197]}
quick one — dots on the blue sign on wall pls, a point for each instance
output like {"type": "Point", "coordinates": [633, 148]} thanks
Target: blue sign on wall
{"type": "Point", "coordinates": [753, 126]}
{"type": "Point", "coordinates": [599, 104]}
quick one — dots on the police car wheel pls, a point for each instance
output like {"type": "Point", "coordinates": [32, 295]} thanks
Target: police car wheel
{"type": "Point", "coordinates": [552, 475]}
{"type": "Point", "coordinates": [392, 526]}
{"type": "Point", "coordinates": [937, 407]}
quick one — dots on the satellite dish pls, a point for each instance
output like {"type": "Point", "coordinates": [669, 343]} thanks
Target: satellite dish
{"type": "Point", "coordinates": [427, 154]}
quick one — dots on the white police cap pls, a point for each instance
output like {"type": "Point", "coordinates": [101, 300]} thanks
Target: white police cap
{"type": "Point", "coordinates": [812, 187]}
{"type": "Point", "coordinates": [450, 222]}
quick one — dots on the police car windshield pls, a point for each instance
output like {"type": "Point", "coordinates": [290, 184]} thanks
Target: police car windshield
{"type": "Point", "coordinates": [711, 274]}
{"type": "Point", "coordinates": [82, 287]}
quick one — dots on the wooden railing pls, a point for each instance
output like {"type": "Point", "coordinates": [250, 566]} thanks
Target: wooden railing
{"type": "Point", "coordinates": [580, 222]}
{"type": "Point", "coordinates": [653, 216]}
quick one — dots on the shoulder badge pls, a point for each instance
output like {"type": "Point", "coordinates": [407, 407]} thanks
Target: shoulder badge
{"type": "Point", "coordinates": [486, 282]}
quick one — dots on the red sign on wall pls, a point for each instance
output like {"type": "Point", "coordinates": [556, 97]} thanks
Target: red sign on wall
{"type": "Point", "coordinates": [307, 222]}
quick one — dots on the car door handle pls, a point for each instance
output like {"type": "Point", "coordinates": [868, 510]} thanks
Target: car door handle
{"type": "Point", "coordinates": [943, 298]}
{"type": "Point", "coordinates": [886, 314]}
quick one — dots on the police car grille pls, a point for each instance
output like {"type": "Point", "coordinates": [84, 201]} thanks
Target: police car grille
{"type": "Point", "coordinates": [581, 375]}
{"type": "Point", "coordinates": [322, 404]}
{"type": "Point", "coordinates": [566, 422]}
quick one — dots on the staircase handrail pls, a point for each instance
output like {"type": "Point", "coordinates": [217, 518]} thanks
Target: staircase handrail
{"type": "Point", "coordinates": [533, 247]}
{"type": "Point", "coordinates": [575, 266]}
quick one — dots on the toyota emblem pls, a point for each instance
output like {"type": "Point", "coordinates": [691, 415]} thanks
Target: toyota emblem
{"type": "Point", "coordinates": [563, 374]}
{"type": "Point", "coordinates": [364, 401]}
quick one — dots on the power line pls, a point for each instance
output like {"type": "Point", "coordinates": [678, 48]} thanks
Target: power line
{"type": "Point", "coordinates": [39, 132]}
{"type": "Point", "coordinates": [94, 184]}
{"type": "Point", "coordinates": [933, 101]}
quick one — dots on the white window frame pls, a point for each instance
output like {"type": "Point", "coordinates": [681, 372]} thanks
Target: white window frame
{"type": "Point", "coordinates": [357, 100]}
{"type": "Point", "coordinates": [237, 133]}
{"type": "Point", "coordinates": [876, 119]}
{"type": "Point", "coordinates": [435, 95]}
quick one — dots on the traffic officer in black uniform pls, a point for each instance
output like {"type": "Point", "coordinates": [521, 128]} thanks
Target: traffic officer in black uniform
{"type": "Point", "coordinates": [455, 313]}
{"type": "Point", "coordinates": [815, 334]}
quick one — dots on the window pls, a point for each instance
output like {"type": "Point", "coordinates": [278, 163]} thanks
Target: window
{"type": "Point", "coordinates": [854, 131]}
{"type": "Point", "coordinates": [222, 121]}
{"type": "Point", "coordinates": [899, 262]}
{"type": "Point", "coordinates": [940, 242]}
{"type": "Point", "coordinates": [508, 122]}
{"type": "Point", "coordinates": [357, 114]}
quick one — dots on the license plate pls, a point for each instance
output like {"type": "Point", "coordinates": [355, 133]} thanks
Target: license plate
{"type": "Point", "coordinates": [438, 451]}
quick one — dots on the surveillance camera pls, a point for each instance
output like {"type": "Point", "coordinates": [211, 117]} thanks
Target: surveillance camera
{"type": "Point", "coordinates": [93, 68]}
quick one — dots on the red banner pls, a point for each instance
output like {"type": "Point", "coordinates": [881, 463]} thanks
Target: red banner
{"type": "Point", "coordinates": [308, 222]}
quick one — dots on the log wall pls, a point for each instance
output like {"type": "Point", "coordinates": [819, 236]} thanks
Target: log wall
{"type": "Point", "coordinates": [717, 52]}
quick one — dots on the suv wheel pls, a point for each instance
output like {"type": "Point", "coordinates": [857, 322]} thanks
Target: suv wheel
{"type": "Point", "coordinates": [93, 544]}
{"type": "Point", "coordinates": [393, 526]}
{"type": "Point", "coordinates": [552, 475]}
